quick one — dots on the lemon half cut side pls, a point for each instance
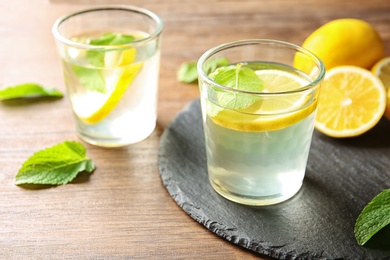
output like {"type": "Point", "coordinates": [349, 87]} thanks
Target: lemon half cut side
{"type": "Point", "coordinates": [352, 101]}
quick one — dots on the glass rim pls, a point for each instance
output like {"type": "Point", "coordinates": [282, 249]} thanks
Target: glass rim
{"type": "Point", "coordinates": [131, 8]}
{"type": "Point", "coordinates": [229, 45]}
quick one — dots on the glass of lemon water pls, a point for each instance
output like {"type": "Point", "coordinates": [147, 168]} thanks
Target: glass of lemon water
{"type": "Point", "coordinates": [110, 60]}
{"type": "Point", "coordinates": [258, 113]}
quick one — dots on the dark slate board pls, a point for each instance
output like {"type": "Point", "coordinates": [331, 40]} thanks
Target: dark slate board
{"type": "Point", "coordinates": [342, 176]}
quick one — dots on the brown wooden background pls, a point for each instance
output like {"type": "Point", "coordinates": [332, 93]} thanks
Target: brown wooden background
{"type": "Point", "coordinates": [122, 210]}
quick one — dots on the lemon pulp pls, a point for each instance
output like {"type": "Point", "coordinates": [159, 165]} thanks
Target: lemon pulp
{"type": "Point", "coordinates": [352, 101]}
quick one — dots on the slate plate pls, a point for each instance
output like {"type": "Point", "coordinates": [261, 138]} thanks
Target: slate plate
{"type": "Point", "coordinates": [342, 176]}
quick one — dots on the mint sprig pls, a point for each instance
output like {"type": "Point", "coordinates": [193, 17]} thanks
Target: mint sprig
{"type": "Point", "coordinates": [374, 217]}
{"type": "Point", "coordinates": [96, 57]}
{"type": "Point", "coordinates": [56, 165]}
{"type": "Point", "coordinates": [92, 78]}
{"type": "Point", "coordinates": [239, 78]}
{"type": "Point", "coordinates": [28, 90]}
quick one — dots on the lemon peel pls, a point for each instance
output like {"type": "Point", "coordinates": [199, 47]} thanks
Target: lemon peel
{"type": "Point", "coordinates": [343, 42]}
{"type": "Point", "coordinates": [257, 123]}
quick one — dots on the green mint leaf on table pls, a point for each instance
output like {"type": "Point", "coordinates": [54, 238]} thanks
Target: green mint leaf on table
{"type": "Point", "coordinates": [56, 165]}
{"type": "Point", "coordinates": [240, 78]}
{"type": "Point", "coordinates": [374, 217]}
{"type": "Point", "coordinates": [28, 90]}
{"type": "Point", "coordinates": [188, 73]}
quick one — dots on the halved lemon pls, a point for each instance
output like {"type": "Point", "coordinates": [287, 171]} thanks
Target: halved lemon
{"type": "Point", "coordinates": [272, 113]}
{"type": "Point", "coordinates": [352, 101]}
{"type": "Point", "coordinates": [94, 106]}
{"type": "Point", "coordinates": [382, 70]}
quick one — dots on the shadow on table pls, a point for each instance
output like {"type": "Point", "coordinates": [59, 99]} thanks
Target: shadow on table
{"type": "Point", "coordinates": [82, 177]}
{"type": "Point", "coordinates": [377, 137]}
{"type": "Point", "coordinates": [380, 240]}
{"type": "Point", "coordinates": [19, 102]}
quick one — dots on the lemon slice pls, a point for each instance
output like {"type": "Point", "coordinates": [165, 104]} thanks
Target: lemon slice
{"type": "Point", "coordinates": [281, 81]}
{"type": "Point", "coordinates": [113, 59]}
{"type": "Point", "coordinates": [272, 113]}
{"type": "Point", "coordinates": [352, 101]}
{"type": "Point", "coordinates": [93, 106]}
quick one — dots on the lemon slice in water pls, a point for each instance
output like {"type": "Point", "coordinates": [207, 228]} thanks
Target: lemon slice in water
{"type": "Point", "coordinates": [113, 59]}
{"type": "Point", "coordinates": [93, 106]}
{"type": "Point", "coordinates": [272, 113]}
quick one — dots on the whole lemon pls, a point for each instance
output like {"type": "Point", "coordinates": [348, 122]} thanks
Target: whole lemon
{"type": "Point", "coordinates": [345, 42]}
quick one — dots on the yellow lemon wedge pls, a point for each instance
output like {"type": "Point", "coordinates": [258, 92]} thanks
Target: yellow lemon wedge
{"type": "Point", "coordinates": [269, 114]}
{"type": "Point", "coordinates": [94, 106]}
{"type": "Point", "coordinates": [344, 42]}
{"type": "Point", "coordinates": [352, 101]}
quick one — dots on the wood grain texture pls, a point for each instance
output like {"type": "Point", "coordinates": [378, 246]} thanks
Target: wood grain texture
{"type": "Point", "coordinates": [122, 210]}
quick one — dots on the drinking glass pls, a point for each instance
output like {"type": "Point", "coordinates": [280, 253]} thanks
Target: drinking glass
{"type": "Point", "coordinates": [258, 140]}
{"type": "Point", "coordinates": [110, 60]}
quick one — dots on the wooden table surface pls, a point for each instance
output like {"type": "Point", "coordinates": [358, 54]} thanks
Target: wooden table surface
{"type": "Point", "coordinates": [122, 210]}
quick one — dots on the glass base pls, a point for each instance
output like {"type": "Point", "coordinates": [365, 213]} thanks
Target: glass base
{"type": "Point", "coordinates": [256, 200]}
{"type": "Point", "coordinates": [114, 142]}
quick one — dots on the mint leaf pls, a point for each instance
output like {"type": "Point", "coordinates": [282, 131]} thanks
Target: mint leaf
{"type": "Point", "coordinates": [90, 79]}
{"type": "Point", "coordinates": [240, 78]}
{"type": "Point", "coordinates": [96, 57]}
{"type": "Point", "coordinates": [28, 90]}
{"type": "Point", "coordinates": [112, 39]}
{"type": "Point", "coordinates": [122, 39]}
{"type": "Point", "coordinates": [213, 64]}
{"type": "Point", "coordinates": [188, 72]}
{"type": "Point", "coordinates": [56, 165]}
{"type": "Point", "coordinates": [105, 39]}
{"type": "Point", "coordinates": [374, 217]}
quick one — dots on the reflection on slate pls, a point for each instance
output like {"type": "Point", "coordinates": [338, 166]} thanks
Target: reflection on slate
{"type": "Point", "coordinates": [342, 176]}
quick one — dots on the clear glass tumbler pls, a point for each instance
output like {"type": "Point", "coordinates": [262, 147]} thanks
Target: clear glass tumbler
{"type": "Point", "coordinates": [258, 117]}
{"type": "Point", "coordinates": [110, 60]}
